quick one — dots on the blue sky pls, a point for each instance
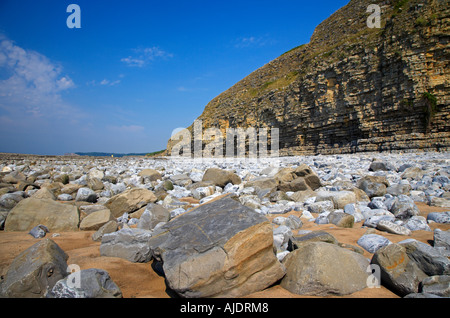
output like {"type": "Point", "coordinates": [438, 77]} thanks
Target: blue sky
{"type": "Point", "coordinates": [135, 70]}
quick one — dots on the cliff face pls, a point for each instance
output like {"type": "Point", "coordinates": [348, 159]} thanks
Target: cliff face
{"type": "Point", "coordinates": [352, 88]}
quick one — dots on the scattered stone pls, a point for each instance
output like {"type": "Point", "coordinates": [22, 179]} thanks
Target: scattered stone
{"type": "Point", "coordinates": [202, 192]}
{"type": "Point", "coordinates": [439, 217]}
{"type": "Point", "coordinates": [378, 166]}
{"type": "Point", "coordinates": [168, 185]}
{"type": "Point", "coordinates": [95, 184]}
{"type": "Point", "coordinates": [10, 200]}
{"type": "Point", "coordinates": [127, 243]}
{"type": "Point", "coordinates": [314, 236]}
{"type": "Point", "coordinates": [417, 223]}
{"type": "Point", "coordinates": [341, 219]}
{"type": "Point", "coordinates": [182, 180]}
{"type": "Point", "coordinates": [39, 231]}
{"type": "Point", "coordinates": [64, 197]}
{"type": "Point", "coordinates": [412, 173]}
{"type": "Point", "coordinates": [339, 198]}
{"type": "Point", "coordinates": [301, 196]}
{"type": "Point", "coordinates": [372, 242]}
{"type": "Point", "coordinates": [427, 258]}
{"type": "Point", "coordinates": [293, 222]}
{"type": "Point", "coordinates": [95, 220]}
{"type": "Point", "coordinates": [393, 228]}
{"type": "Point", "coordinates": [438, 285]}
{"type": "Point", "coordinates": [221, 177]}
{"type": "Point", "coordinates": [129, 201]}
{"type": "Point", "coordinates": [151, 174]}
{"type": "Point", "coordinates": [397, 189]}
{"type": "Point", "coordinates": [442, 239]}
{"type": "Point", "coordinates": [71, 188]}
{"type": "Point", "coordinates": [310, 177]}
{"type": "Point", "coordinates": [372, 221]}
{"type": "Point", "coordinates": [109, 227]}
{"type": "Point", "coordinates": [263, 183]}
{"type": "Point", "coordinates": [403, 207]}
{"type": "Point", "coordinates": [86, 195]}
{"type": "Point", "coordinates": [153, 214]}
{"type": "Point", "coordinates": [373, 186]}
{"type": "Point", "coordinates": [320, 207]}
{"type": "Point", "coordinates": [44, 193]}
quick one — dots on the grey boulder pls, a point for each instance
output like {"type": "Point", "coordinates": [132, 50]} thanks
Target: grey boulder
{"type": "Point", "coordinates": [220, 249]}
{"type": "Point", "coordinates": [39, 231]}
{"type": "Point", "coordinates": [438, 285]}
{"type": "Point", "coordinates": [398, 272]}
{"type": "Point", "coordinates": [35, 271]}
{"type": "Point", "coordinates": [428, 258]}
{"type": "Point", "coordinates": [312, 270]}
{"type": "Point", "coordinates": [153, 214]}
{"type": "Point", "coordinates": [128, 243]}
{"type": "Point", "coordinates": [439, 217]}
{"type": "Point", "coordinates": [372, 242]}
{"type": "Point", "coordinates": [86, 195]}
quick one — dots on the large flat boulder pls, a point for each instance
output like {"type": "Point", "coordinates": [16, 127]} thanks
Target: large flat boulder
{"type": "Point", "coordinates": [57, 217]}
{"type": "Point", "coordinates": [220, 249]}
{"type": "Point", "coordinates": [35, 271]}
{"type": "Point", "coordinates": [129, 201]}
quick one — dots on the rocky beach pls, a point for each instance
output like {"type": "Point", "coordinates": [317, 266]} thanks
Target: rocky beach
{"type": "Point", "coordinates": [367, 225]}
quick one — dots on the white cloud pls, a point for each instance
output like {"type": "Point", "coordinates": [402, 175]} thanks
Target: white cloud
{"type": "Point", "coordinates": [143, 56]}
{"type": "Point", "coordinates": [104, 82]}
{"type": "Point", "coordinates": [133, 61]}
{"type": "Point", "coordinates": [31, 84]}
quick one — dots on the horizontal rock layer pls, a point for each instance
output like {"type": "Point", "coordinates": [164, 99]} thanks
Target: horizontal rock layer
{"type": "Point", "coordinates": [352, 88]}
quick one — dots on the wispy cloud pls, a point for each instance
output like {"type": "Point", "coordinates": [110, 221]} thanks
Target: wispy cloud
{"type": "Point", "coordinates": [182, 89]}
{"type": "Point", "coordinates": [104, 82]}
{"type": "Point", "coordinates": [143, 56]}
{"type": "Point", "coordinates": [253, 41]}
{"type": "Point", "coordinates": [127, 128]}
{"type": "Point", "coordinates": [31, 84]}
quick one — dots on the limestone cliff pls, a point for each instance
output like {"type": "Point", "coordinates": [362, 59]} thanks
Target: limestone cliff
{"type": "Point", "coordinates": [353, 88]}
